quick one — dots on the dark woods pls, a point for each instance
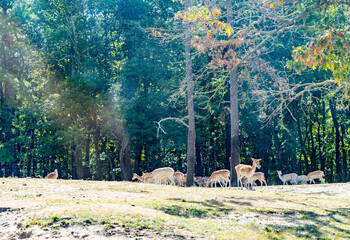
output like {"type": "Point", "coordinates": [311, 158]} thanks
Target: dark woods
{"type": "Point", "coordinates": [84, 85]}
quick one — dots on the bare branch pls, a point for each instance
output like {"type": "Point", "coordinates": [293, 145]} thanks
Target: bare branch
{"type": "Point", "coordinates": [166, 119]}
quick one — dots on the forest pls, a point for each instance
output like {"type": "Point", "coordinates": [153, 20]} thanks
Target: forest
{"type": "Point", "coordinates": [105, 88]}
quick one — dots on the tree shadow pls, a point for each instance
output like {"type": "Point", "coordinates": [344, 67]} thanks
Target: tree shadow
{"type": "Point", "coordinates": [7, 209]}
{"type": "Point", "coordinates": [207, 209]}
{"type": "Point", "coordinates": [313, 223]}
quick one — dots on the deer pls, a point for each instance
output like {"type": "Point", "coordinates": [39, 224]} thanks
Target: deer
{"type": "Point", "coordinates": [246, 182]}
{"type": "Point", "coordinates": [300, 178]}
{"type": "Point", "coordinates": [198, 181]}
{"type": "Point", "coordinates": [52, 175]}
{"type": "Point", "coordinates": [179, 178]}
{"type": "Point", "coordinates": [135, 176]}
{"type": "Point", "coordinates": [290, 177]}
{"type": "Point", "coordinates": [165, 173]}
{"type": "Point", "coordinates": [258, 176]}
{"type": "Point", "coordinates": [314, 175]}
{"type": "Point", "coordinates": [146, 177]}
{"type": "Point", "coordinates": [203, 181]}
{"type": "Point", "coordinates": [218, 176]}
{"type": "Point", "coordinates": [247, 171]}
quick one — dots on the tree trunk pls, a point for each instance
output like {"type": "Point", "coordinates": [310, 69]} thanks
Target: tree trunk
{"type": "Point", "coordinates": [191, 139]}
{"type": "Point", "coordinates": [337, 139]}
{"type": "Point", "coordinates": [77, 156]}
{"type": "Point", "coordinates": [138, 159]}
{"type": "Point", "coordinates": [86, 166]}
{"type": "Point", "coordinates": [227, 112]}
{"type": "Point", "coordinates": [111, 161]}
{"type": "Point", "coordinates": [278, 147]}
{"type": "Point", "coordinates": [125, 163]}
{"type": "Point", "coordinates": [235, 143]}
{"type": "Point", "coordinates": [294, 145]}
{"type": "Point", "coordinates": [199, 168]}
{"type": "Point", "coordinates": [302, 147]}
{"type": "Point", "coordinates": [313, 149]}
{"type": "Point", "coordinates": [320, 154]}
{"type": "Point", "coordinates": [345, 164]}
{"type": "Point", "coordinates": [235, 149]}
{"type": "Point", "coordinates": [96, 139]}
{"type": "Point", "coordinates": [148, 160]}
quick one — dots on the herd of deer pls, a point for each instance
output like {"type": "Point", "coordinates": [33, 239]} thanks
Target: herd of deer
{"type": "Point", "coordinates": [246, 176]}
{"type": "Point", "coordinates": [293, 178]}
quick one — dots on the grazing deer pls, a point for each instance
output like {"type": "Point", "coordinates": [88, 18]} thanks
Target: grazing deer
{"type": "Point", "coordinates": [203, 181]}
{"type": "Point", "coordinates": [166, 173]}
{"type": "Point", "coordinates": [135, 176]}
{"type": "Point", "coordinates": [299, 179]}
{"type": "Point", "coordinates": [219, 176]}
{"type": "Point", "coordinates": [314, 175]}
{"type": "Point", "coordinates": [179, 178]}
{"type": "Point", "coordinates": [247, 171]}
{"type": "Point", "coordinates": [146, 177]}
{"type": "Point", "coordinates": [198, 181]}
{"type": "Point", "coordinates": [52, 175]}
{"type": "Point", "coordinates": [290, 177]}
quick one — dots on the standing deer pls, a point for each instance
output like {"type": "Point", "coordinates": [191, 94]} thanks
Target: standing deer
{"type": "Point", "coordinates": [219, 176]}
{"type": "Point", "coordinates": [52, 175]}
{"type": "Point", "coordinates": [291, 177]}
{"type": "Point", "coordinates": [258, 176]}
{"type": "Point", "coordinates": [247, 171]}
{"type": "Point", "coordinates": [314, 175]}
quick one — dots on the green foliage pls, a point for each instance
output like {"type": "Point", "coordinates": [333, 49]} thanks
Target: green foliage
{"type": "Point", "coordinates": [82, 77]}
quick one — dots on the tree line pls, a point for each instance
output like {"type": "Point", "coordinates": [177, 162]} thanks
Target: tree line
{"type": "Point", "coordinates": [101, 89]}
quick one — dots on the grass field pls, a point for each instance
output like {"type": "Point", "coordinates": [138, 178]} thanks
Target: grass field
{"type": "Point", "coordinates": [67, 209]}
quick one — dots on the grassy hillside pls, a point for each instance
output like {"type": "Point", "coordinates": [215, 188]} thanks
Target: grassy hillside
{"type": "Point", "coordinates": [42, 207]}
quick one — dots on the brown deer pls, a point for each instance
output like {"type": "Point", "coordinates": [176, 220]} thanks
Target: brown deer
{"type": "Point", "coordinates": [314, 175]}
{"type": "Point", "coordinates": [135, 176]}
{"type": "Point", "coordinates": [159, 176]}
{"type": "Point", "coordinates": [247, 171]}
{"type": "Point", "coordinates": [259, 176]}
{"type": "Point", "coordinates": [198, 180]}
{"type": "Point", "coordinates": [179, 178]}
{"type": "Point", "coordinates": [218, 176]}
{"type": "Point", "coordinates": [256, 176]}
{"type": "Point", "coordinates": [52, 175]}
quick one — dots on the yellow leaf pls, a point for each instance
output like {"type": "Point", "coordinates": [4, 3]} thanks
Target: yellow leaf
{"type": "Point", "coordinates": [209, 33]}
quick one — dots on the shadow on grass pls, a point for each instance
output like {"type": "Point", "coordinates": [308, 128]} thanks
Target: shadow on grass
{"type": "Point", "coordinates": [320, 226]}
{"type": "Point", "coordinates": [307, 231]}
{"type": "Point", "coordinates": [7, 209]}
{"type": "Point", "coordinates": [209, 208]}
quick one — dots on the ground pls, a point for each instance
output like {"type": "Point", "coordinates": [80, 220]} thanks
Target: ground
{"type": "Point", "coordinates": [71, 209]}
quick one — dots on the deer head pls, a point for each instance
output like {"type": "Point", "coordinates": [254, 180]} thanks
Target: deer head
{"type": "Point", "coordinates": [256, 162]}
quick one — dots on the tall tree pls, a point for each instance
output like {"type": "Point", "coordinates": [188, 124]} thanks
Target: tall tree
{"type": "Point", "coordinates": [191, 137]}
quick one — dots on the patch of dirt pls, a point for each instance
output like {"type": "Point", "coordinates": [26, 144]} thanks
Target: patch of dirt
{"type": "Point", "coordinates": [12, 227]}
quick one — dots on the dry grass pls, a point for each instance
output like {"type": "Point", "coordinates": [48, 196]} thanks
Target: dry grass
{"type": "Point", "coordinates": [154, 211]}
